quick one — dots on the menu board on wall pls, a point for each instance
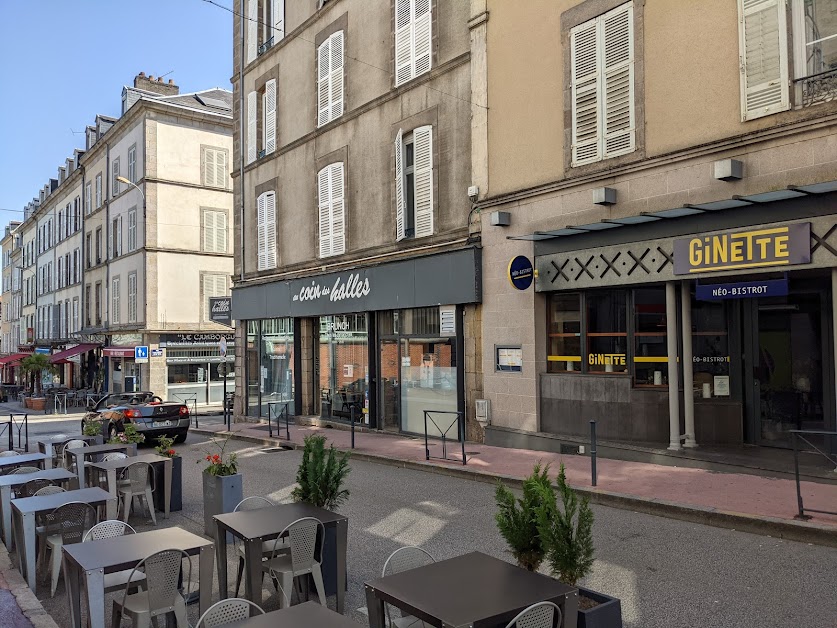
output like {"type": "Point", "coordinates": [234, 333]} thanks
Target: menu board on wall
{"type": "Point", "coordinates": [509, 359]}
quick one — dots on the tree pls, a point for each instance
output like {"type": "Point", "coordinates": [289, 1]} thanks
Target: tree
{"type": "Point", "coordinates": [35, 366]}
{"type": "Point", "coordinates": [517, 519]}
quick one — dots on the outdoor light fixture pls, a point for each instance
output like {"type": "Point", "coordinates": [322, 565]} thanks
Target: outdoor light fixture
{"type": "Point", "coordinates": [729, 169]}
{"type": "Point", "coordinates": [604, 196]}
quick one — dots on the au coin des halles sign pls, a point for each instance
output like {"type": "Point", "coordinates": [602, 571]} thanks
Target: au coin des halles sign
{"type": "Point", "coordinates": [220, 310]}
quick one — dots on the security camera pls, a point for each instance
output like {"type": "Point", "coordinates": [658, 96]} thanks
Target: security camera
{"type": "Point", "coordinates": [473, 193]}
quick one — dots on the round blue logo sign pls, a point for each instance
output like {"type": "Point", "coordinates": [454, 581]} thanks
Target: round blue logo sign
{"type": "Point", "coordinates": [521, 272]}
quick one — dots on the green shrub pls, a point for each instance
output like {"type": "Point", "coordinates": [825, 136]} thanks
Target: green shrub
{"type": "Point", "coordinates": [517, 518]}
{"type": "Point", "coordinates": [321, 475]}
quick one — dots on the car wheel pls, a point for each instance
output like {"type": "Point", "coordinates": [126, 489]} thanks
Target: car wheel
{"type": "Point", "coordinates": [112, 432]}
{"type": "Point", "coordinates": [180, 438]}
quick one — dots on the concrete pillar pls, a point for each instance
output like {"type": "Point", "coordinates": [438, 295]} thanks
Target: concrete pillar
{"type": "Point", "coordinates": [688, 375]}
{"type": "Point", "coordinates": [834, 316]}
{"type": "Point", "coordinates": [671, 341]}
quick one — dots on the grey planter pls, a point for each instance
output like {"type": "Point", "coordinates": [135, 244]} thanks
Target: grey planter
{"type": "Point", "coordinates": [221, 493]}
{"type": "Point", "coordinates": [608, 614]}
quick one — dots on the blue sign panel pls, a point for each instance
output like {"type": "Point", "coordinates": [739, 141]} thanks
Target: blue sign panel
{"type": "Point", "coordinates": [42, 350]}
{"type": "Point", "coordinates": [742, 290]}
{"type": "Point", "coordinates": [141, 353]}
{"type": "Point", "coordinates": [521, 272]}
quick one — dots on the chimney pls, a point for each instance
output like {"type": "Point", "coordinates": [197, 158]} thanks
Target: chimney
{"type": "Point", "coordinates": [157, 86]}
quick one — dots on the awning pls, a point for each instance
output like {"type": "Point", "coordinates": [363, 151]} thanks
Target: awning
{"type": "Point", "coordinates": [118, 352]}
{"type": "Point", "coordinates": [15, 357]}
{"type": "Point", "coordinates": [61, 356]}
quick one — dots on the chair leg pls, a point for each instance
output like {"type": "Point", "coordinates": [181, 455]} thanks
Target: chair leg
{"type": "Point", "coordinates": [286, 586]}
{"type": "Point", "coordinates": [149, 501]}
{"type": "Point", "coordinates": [240, 574]}
{"type": "Point", "coordinates": [56, 568]}
{"type": "Point", "coordinates": [126, 506]}
{"type": "Point", "coordinates": [116, 619]}
{"type": "Point", "coordinates": [317, 574]}
{"type": "Point", "coordinates": [142, 620]}
{"type": "Point", "coordinates": [180, 612]}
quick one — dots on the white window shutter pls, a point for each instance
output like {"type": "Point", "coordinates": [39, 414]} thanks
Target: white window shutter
{"type": "Point", "coordinates": [220, 232]}
{"type": "Point", "coordinates": [270, 116]}
{"type": "Point", "coordinates": [335, 79]}
{"type": "Point", "coordinates": [323, 76]}
{"type": "Point", "coordinates": [270, 229]}
{"type": "Point", "coordinates": [262, 238]}
{"type": "Point", "coordinates": [209, 167]}
{"type": "Point", "coordinates": [251, 127]}
{"type": "Point", "coordinates": [403, 41]}
{"type": "Point", "coordinates": [423, 143]}
{"type": "Point", "coordinates": [584, 67]}
{"type": "Point", "coordinates": [764, 58]}
{"type": "Point", "coordinates": [338, 209]}
{"type": "Point", "coordinates": [209, 231]}
{"type": "Point", "coordinates": [618, 86]}
{"type": "Point", "coordinates": [399, 186]}
{"type": "Point", "coordinates": [221, 176]}
{"type": "Point", "coordinates": [422, 37]}
{"type": "Point", "coordinates": [324, 210]}
{"type": "Point", "coordinates": [252, 29]}
{"type": "Point", "coordinates": [278, 14]}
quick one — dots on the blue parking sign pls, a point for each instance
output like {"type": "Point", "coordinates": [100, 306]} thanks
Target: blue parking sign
{"type": "Point", "coordinates": [141, 354]}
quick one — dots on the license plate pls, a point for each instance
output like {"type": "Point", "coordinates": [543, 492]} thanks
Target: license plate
{"type": "Point", "coordinates": [163, 423]}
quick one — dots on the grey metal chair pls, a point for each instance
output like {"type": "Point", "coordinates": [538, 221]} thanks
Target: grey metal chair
{"type": "Point", "coordinates": [163, 572]}
{"type": "Point", "coordinates": [255, 502]}
{"type": "Point", "coordinates": [31, 487]}
{"type": "Point", "coordinates": [540, 615]}
{"type": "Point", "coordinates": [136, 483]}
{"type": "Point", "coordinates": [63, 526]}
{"type": "Point", "coordinates": [113, 528]}
{"type": "Point", "coordinates": [305, 539]}
{"type": "Point", "coordinates": [71, 444]}
{"type": "Point", "coordinates": [228, 611]}
{"type": "Point", "coordinates": [23, 470]}
{"type": "Point", "coordinates": [49, 490]}
{"type": "Point", "coordinates": [404, 559]}
{"type": "Point", "coordinates": [116, 455]}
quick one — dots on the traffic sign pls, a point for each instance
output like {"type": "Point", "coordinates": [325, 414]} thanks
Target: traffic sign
{"type": "Point", "coordinates": [141, 354]}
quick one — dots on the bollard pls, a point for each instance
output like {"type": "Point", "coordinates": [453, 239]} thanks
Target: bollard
{"type": "Point", "coordinates": [352, 414]}
{"type": "Point", "coordinates": [593, 451]}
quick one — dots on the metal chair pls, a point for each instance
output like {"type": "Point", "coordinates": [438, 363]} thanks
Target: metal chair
{"type": "Point", "coordinates": [63, 526]}
{"type": "Point", "coordinates": [113, 528]}
{"type": "Point", "coordinates": [255, 502]}
{"type": "Point", "coordinates": [540, 615]}
{"type": "Point", "coordinates": [116, 455]}
{"type": "Point", "coordinates": [71, 444]}
{"type": "Point", "coordinates": [305, 538]}
{"type": "Point", "coordinates": [31, 487]}
{"type": "Point", "coordinates": [137, 482]}
{"type": "Point", "coordinates": [404, 559]}
{"type": "Point", "coordinates": [163, 571]}
{"type": "Point", "coordinates": [8, 454]}
{"type": "Point", "coordinates": [23, 470]}
{"type": "Point", "coordinates": [49, 490]}
{"type": "Point", "coordinates": [228, 611]}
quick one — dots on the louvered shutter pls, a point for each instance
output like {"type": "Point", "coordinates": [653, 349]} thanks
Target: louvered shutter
{"type": "Point", "coordinates": [323, 74]}
{"type": "Point", "coordinates": [422, 37]}
{"type": "Point", "coordinates": [119, 236]}
{"type": "Point", "coordinates": [278, 14]}
{"type": "Point", "coordinates": [209, 231]}
{"type": "Point", "coordinates": [335, 78]}
{"type": "Point", "coordinates": [324, 204]}
{"type": "Point", "coordinates": [399, 186]}
{"type": "Point", "coordinates": [251, 127]}
{"type": "Point", "coordinates": [618, 85]}
{"type": "Point", "coordinates": [221, 176]}
{"type": "Point", "coordinates": [423, 145]}
{"type": "Point", "coordinates": [220, 232]}
{"type": "Point", "coordinates": [338, 209]}
{"type": "Point", "coordinates": [261, 227]}
{"type": "Point", "coordinates": [764, 62]}
{"type": "Point", "coordinates": [252, 29]}
{"type": "Point", "coordinates": [403, 41]}
{"type": "Point", "coordinates": [585, 93]}
{"type": "Point", "coordinates": [209, 167]}
{"type": "Point", "coordinates": [270, 229]}
{"type": "Point", "coordinates": [270, 116]}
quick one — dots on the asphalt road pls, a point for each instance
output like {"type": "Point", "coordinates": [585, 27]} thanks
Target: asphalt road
{"type": "Point", "coordinates": [668, 574]}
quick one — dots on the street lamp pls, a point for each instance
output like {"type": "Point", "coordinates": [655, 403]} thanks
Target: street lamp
{"type": "Point", "coordinates": [139, 189]}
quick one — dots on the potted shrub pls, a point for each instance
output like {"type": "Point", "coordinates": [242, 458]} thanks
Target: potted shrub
{"type": "Point", "coordinates": [164, 448]}
{"type": "Point", "coordinates": [320, 480]}
{"type": "Point", "coordinates": [35, 366]}
{"type": "Point", "coordinates": [223, 486]}
{"type": "Point", "coordinates": [517, 518]}
{"type": "Point", "coordinates": [129, 434]}
{"type": "Point", "coordinates": [93, 427]}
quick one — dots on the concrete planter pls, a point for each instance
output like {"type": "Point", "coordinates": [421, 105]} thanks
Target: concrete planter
{"type": "Point", "coordinates": [176, 486]}
{"type": "Point", "coordinates": [221, 493]}
{"type": "Point", "coordinates": [608, 614]}
{"type": "Point", "coordinates": [36, 403]}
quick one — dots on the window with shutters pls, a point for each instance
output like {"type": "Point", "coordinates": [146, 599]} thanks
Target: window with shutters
{"type": "Point", "coordinates": [88, 199]}
{"type": "Point", "coordinates": [87, 305]}
{"type": "Point", "coordinates": [330, 79]}
{"type": "Point", "coordinates": [215, 167]}
{"type": "Point", "coordinates": [132, 297]}
{"type": "Point", "coordinates": [332, 210]}
{"type": "Point", "coordinates": [132, 230]}
{"type": "Point", "coordinates": [116, 237]}
{"type": "Point", "coordinates": [75, 328]}
{"type": "Point", "coordinates": [98, 190]}
{"type": "Point", "coordinates": [763, 55]}
{"type": "Point", "coordinates": [414, 183]}
{"type": "Point", "coordinates": [115, 172]}
{"type": "Point", "coordinates": [132, 163]}
{"type": "Point", "coordinates": [214, 285]}
{"type": "Point", "coordinates": [76, 265]}
{"type": "Point", "coordinates": [602, 75]}
{"type": "Point", "coordinates": [269, 113]}
{"type": "Point", "coordinates": [266, 227]}
{"type": "Point", "coordinates": [114, 304]}
{"type": "Point", "coordinates": [99, 245]}
{"type": "Point", "coordinates": [214, 231]}
{"type": "Point", "coordinates": [76, 214]}
{"type": "Point", "coordinates": [815, 51]}
{"type": "Point", "coordinates": [273, 23]}
{"type": "Point", "coordinates": [89, 249]}
{"type": "Point", "coordinates": [252, 29]}
{"type": "Point", "coordinates": [413, 39]}
{"type": "Point", "coordinates": [252, 148]}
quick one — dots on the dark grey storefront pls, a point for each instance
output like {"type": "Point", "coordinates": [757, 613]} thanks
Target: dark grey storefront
{"type": "Point", "coordinates": [380, 343]}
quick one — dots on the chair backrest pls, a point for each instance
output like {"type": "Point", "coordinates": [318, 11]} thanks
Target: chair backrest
{"type": "Point", "coordinates": [71, 444]}
{"type": "Point", "coordinates": [23, 470]}
{"type": "Point", "coordinates": [48, 490]}
{"type": "Point", "coordinates": [116, 455]}
{"type": "Point", "coordinates": [540, 615]}
{"type": "Point", "coordinates": [8, 454]}
{"type": "Point", "coordinates": [254, 502]}
{"type": "Point", "coordinates": [32, 487]}
{"type": "Point", "coordinates": [71, 520]}
{"type": "Point", "coordinates": [406, 558]}
{"type": "Point", "coordinates": [107, 530]}
{"type": "Point", "coordinates": [138, 474]}
{"type": "Point", "coordinates": [228, 611]}
{"type": "Point", "coordinates": [305, 537]}
{"type": "Point", "coordinates": [162, 573]}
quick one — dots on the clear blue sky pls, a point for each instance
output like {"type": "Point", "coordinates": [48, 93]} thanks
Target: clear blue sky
{"type": "Point", "coordinates": [64, 61]}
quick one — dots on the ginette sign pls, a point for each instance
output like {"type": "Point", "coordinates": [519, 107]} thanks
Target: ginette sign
{"type": "Point", "coordinates": [732, 250]}
{"type": "Point", "coordinates": [220, 310]}
{"type": "Point", "coordinates": [521, 272]}
{"type": "Point", "coordinates": [742, 290]}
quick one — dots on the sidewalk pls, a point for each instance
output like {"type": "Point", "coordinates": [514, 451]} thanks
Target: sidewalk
{"type": "Point", "coordinates": [734, 500]}
{"type": "Point", "coordinates": [19, 608]}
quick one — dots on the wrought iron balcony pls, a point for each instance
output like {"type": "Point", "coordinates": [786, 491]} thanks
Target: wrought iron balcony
{"type": "Point", "coordinates": [265, 46]}
{"type": "Point", "coordinates": [818, 88]}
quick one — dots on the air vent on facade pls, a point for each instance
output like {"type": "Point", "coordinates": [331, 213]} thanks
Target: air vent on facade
{"type": "Point", "coordinates": [483, 411]}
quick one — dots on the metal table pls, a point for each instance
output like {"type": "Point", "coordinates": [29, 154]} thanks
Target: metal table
{"type": "Point", "coordinates": [9, 482]}
{"type": "Point", "coordinates": [80, 455]}
{"type": "Point", "coordinates": [85, 566]}
{"type": "Point", "coordinates": [299, 616]}
{"type": "Point", "coordinates": [7, 463]}
{"type": "Point", "coordinates": [48, 446]}
{"type": "Point", "coordinates": [474, 590]}
{"type": "Point", "coordinates": [255, 526]}
{"type": "Point", "coordinates": [111, 467]}
{"type": "Point", "coordinates": [26, 510]}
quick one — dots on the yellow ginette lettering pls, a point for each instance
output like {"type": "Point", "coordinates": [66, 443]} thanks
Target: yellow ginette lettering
{"type": "Point", "coordinates": [780, 244]}
{"type": "Point", "coordinates": [719, 250]}
{"type": "Point", "coordinates": [695, 252]}
{"type": "Point", "coordinates": [763, 242]}
{"type": "Point", "coordinates": [736, 252]}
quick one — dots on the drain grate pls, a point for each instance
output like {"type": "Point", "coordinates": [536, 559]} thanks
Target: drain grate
{"type": "Point", "coordinates": [273, 450]}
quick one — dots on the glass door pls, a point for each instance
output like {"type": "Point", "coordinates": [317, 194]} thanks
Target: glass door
{"type": "Point", "coordinates": [389, 388]}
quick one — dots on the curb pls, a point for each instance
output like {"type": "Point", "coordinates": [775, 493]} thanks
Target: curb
{"type": "Point", "coordinates": [29, 605]}
{"type": "Point", "coordinates": [799, 531]}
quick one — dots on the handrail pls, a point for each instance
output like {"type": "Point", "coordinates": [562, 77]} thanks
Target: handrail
{"type": "Point", "coordinates": [797, 435]}
{"type": "Point", "coordinates": [21, 425]}
{"type": "Point", "coordinates": [459, 421]}
{"type": "Point", "coordinates": [283, 412]}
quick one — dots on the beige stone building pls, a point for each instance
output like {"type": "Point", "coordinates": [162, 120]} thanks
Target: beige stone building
{"type": "Point", "coordinates": [669, 170]}
{"type": "Point", "coordinates": [8, 339]}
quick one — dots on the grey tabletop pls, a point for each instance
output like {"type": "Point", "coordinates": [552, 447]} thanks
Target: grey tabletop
{"type": "Point", "coordinates": [300, 616]}
{"type": "Point", "coordinates": [124, 462]}
{"type": "Point", "coordinates": [11, 461]}
{"type": "Point", "coordinates": [100, 449]}
{"type": "Point", "coordinates": [267, 522]}
{"type": "Point", "coordinates": [468, 589]}
{"type": "Point", "coordinates": [47, 503]}
{"type": "Point", "coordinates": [47, 474]}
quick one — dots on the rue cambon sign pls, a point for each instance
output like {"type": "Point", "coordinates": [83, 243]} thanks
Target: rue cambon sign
{"type": "Point", "coordinates": [731, 250]}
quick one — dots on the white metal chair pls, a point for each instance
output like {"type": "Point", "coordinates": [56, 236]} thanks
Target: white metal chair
{"type": "Point", "coordinates": [305, 539]}
{"type": "Point", "coordinates": [110, 529]}
{"type": "Point", "coordinates": [404, 559]}
{"type": "Point", "coordinates": [540, 615]}
{"type": "Point", "coordinates": [228, 611]}
{"type": "Point", "coordinates": [49, 490]}
{"type": "Point", "coordinates": [71, 444]}
{"type": "Point", "coordinates": [32, 487]}
{"type": "Point", "coordinates": [116, 455]}
{"type": "Point", "coordinates": [162, 595]}
{"type": "Point", "coordinates": [23, 470]}
{"type": "Point", "coordinates": [63, 526]}
{"type": "Point", "coordinates": [136, 483]}
{"type": "Point", "coordinates": [255, 502]}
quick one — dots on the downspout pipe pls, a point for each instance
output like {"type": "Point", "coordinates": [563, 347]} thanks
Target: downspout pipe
{"type": "Point", "coordinates": [241, 140]}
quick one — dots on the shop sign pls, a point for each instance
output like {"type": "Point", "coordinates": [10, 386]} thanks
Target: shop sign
{"type": "Point", "coordinates": [126, 339]}
{"type": "Point", "coordinates": [346, 287]}
{"type": "Point", "coordinates": [220, 310]}
{"type": "Point", "coordinates": [606, 359]}
{"type": "Point", "coordinates": [42, 350]}
{"type": "Point", "coordinates": [754, 248]}
{"type": "Point", "coordinates": [186, 340]}
{"type": "Point", "coordinates": [742, 290]}
{"type": "Point", "coordinates": [521, 272]}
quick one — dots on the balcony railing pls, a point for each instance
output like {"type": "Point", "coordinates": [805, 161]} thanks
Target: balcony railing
{"type": "Point", "coordinates": [265, 46]}
{"type": "Point", "coordinates": [818, 88]}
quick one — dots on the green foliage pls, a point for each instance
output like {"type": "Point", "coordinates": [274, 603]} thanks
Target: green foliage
{"type": "Point", "coordinates": [321, 475]}
{"type": "Point", "coordinates": [129, 434]}
{"type": "Point", "coordinates": [517, 518]}
{"type": "Point", "coordinates": [92, 427]}
{"type": "Point", "coordinates": [36, 365]}
{"type": "Point", "coordinates": [220, 463]}
{"type": "Point", "coordinates": [164, 447]}
{"type": "Point", "coordinates": [566, 532]}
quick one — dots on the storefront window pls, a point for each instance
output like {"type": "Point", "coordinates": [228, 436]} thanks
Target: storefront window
{"type": "Point", "coordinates": [607, 337]}
{"type": "Point", "coordinates": [252, 368]}
{"type": "Point", "coordinates": [277, 361]}
{"type": "Point", "coordinates": [344, 366]}
{"type": "Point", "coordinates": [651, 355]}
{"type": "Point", "coordinates": [710, 348]}
{"type": "Point", "coordinates": [193, 373]}
{"type": "Point", "coordinates": [564, 333]}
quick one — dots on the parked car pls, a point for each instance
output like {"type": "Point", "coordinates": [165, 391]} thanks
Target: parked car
{"type": "Point", "coordinates": [152, 416]}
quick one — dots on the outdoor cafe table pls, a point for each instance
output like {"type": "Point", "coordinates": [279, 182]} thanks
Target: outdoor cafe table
{"type": "Point", "coordinates": [307, 615]}
{"type": "Point", "coordinates": [10, 482]}
{"type": "Point", "coordinates": [49, 445]}
{"type": "Point", "coordinates": [256, 526]}
{"type": "Point", "coordinates": [81, 453]}
{"type": "Point", "coordinates": [474, 590]}
{"type": "Point", "coordinates": [26, 510]}
{"type": "Point", "coordinates": [112, 467]}
{"type": "Point", "coordinates": [85, 566]}
{"type": "Point", "coordinates": [9, 463]}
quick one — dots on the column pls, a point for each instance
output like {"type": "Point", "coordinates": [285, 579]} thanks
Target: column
{"type": "Point", "coordinates": [834, 316]}
{"type": "Point", "coordinates": [688, 376]}
{"type": "Point", "coordinates": [673, 394]}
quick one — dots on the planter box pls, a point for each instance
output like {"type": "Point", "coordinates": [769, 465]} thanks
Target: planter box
{"type": "Point", "coordinates": [37, 403]}
{"type": "Point", "coordinates": [329, 566]}
{"type": "Point", "coordinates": [608, 614]}
{"type": "Point", "coordinates": [176, 485]}
{"type": "Point", "coordinates": [221, 493]}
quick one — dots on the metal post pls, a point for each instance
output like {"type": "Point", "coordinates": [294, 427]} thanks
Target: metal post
{"type": "Point", "coordinates": [794, 438]}
{"type": "Point", "coordinates": [426, 446]}
{"type": "Point", "coordinates": [673, 388]}
{"type": "Point", "coordinates": [11, 438]}
{"type": "Point", "coordinates": [287, 423]}
{"type": "Point", "coordinates": [459, 416]}
{"type": "Point", "coordinates": [688, 367]}
{"type": "Point", "coordinates": [352, 414]}
{"type": "Point", "coordinates": [225, 398]}
{"type": "Point", "coordinates": [26, 428]}
{"type": "Point", "coordinates": [269, 424]}
{"type": "Point", "coordinates": [593, 451]}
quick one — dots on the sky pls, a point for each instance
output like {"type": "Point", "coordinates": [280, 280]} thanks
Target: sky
{"type": "Point", "coordinates": [64, 61]}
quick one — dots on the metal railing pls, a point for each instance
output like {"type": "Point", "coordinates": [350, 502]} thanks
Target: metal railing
{"type": "Point", "coordinates": [271, 414]}
{"type": "Point", "coordinates": [18, 421]}
{"type": "Point", "coordinates": [798, 435]}
{"type": "Point", "coordinates": [818, 88]}
{"type": "Point", "coordinates": [459, 421]}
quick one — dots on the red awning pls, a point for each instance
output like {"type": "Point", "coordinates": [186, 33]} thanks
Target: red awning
{"type": "Point", "coordinates": [118, 352]}
{"type": "Point", "coordinates": [15, 357]}
{"type": "Point", "coordinates": [62, 356]}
